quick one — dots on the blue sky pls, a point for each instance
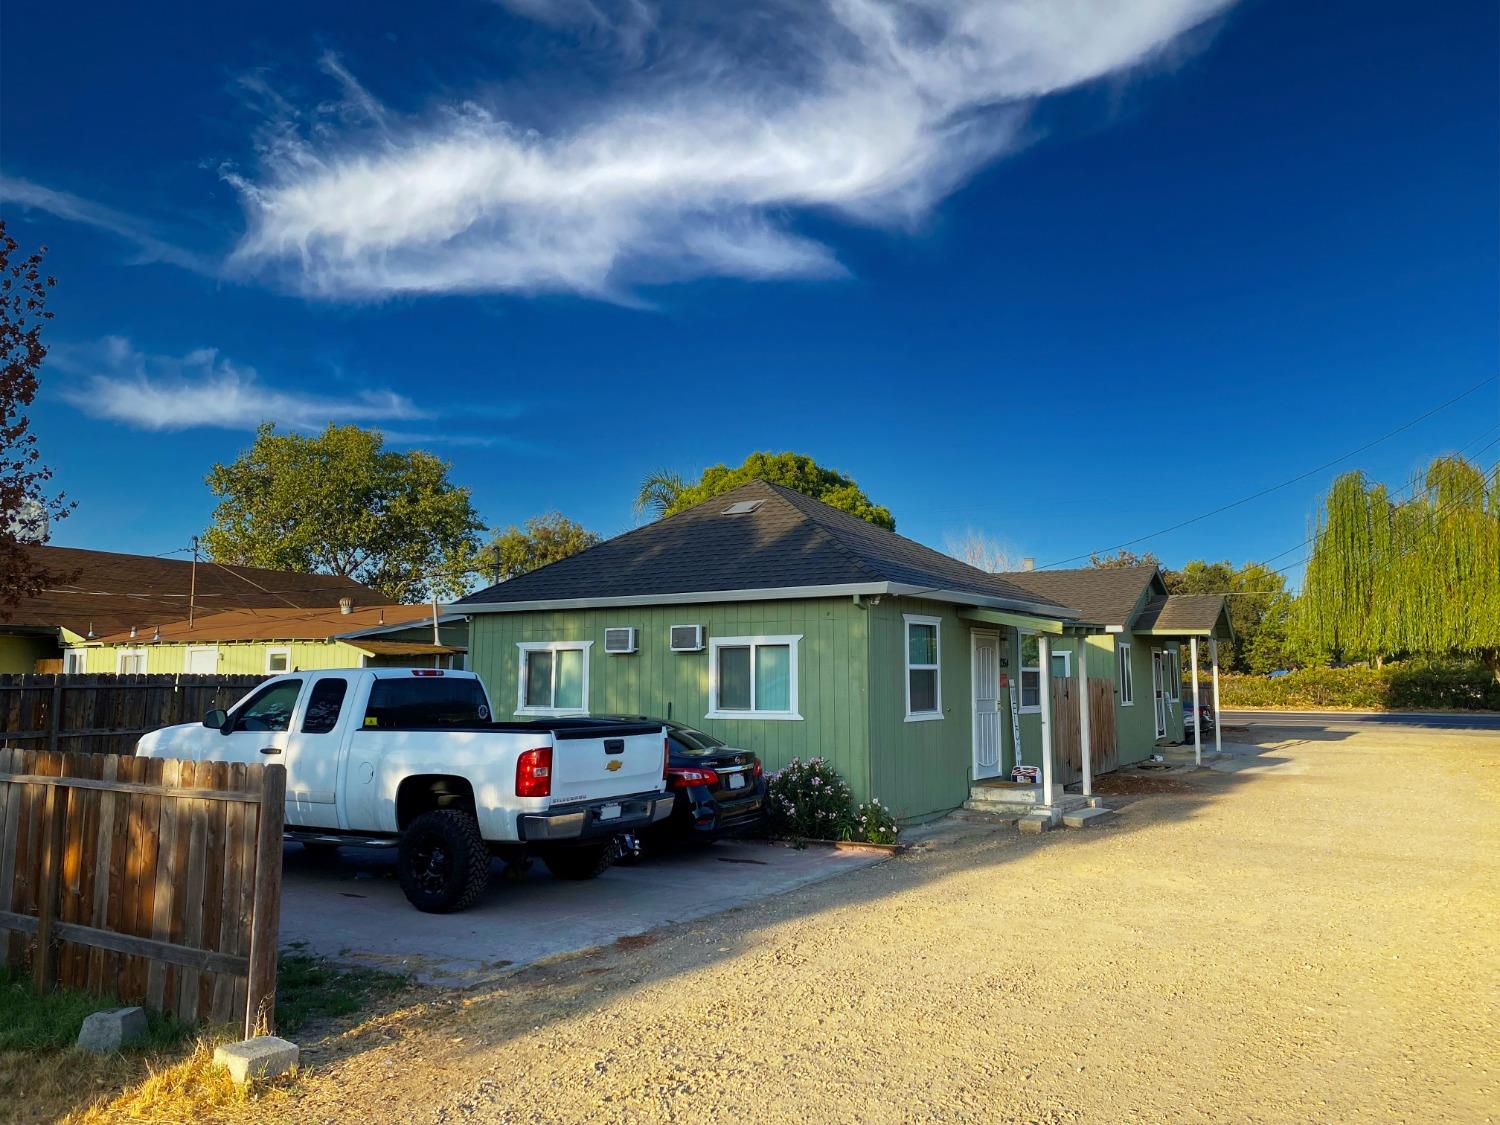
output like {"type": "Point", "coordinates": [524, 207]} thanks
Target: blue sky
{"type": "Point", "coordinates": [1064, 274]}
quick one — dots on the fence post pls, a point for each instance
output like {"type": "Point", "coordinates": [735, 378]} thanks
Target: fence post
{"type": "Point", "coordinates": [54, 836]}
{"type": "Point", "coordinates": [55, 715]}
{"type": "Point", "coordinates": [265, 923]}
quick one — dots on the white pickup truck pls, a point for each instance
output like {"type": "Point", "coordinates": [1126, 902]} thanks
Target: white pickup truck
{"type": "Point", "coordinates": [413, 758]}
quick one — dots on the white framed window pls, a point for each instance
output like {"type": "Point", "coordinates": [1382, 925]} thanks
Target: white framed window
{"type": "Point", "coordinates": [1031, 671]}
{"type": "Point", "coordinates": [1125, 674]}
{"type": "Point", "coordinates": [202, 660]}
{"type": "Point", "coordinates": [278, 660]}
{"type": "Point", "coordinates": [924, 680]}
{"type": "Point", "coordinates": [1174, 676]}
{"type": "Point", "coordinates": [553, 678]}
{"type": "Point", "coordinates": [753, 677]}
{"type": "Point", "coordinates": [131, 662]}
{"type": "Point", "coordinates": [75, 661]}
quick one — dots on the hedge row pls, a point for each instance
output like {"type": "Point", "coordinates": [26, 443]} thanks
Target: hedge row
{"type": "Point", "coordinates": [1437, 685]}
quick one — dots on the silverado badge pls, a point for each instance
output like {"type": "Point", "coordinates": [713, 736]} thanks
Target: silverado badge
{"type": "Point", "coordinates": [612, 765]}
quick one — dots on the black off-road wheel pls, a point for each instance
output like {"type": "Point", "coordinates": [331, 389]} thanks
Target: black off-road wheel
{"type": "Point", "coordinates": [442, 862]}
{"type": "Point", "coordinates": [584, 862]}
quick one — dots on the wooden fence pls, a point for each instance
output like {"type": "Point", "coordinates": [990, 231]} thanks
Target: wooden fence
{"type": "Point", "coordinates": [106, 714]}
{"type": "Point", "coordinates": [1066, 738]}
{"type": "Point", "coordinates": [153, 880]}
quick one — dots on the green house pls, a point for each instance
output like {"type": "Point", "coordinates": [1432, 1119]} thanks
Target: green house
{"type": "Point", "coordinates": [794, 630]}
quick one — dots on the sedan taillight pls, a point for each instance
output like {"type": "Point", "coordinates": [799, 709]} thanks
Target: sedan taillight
{"type": "Point", "coordinates": [534, 773]}
{"type": "Point", "coordinates": [684, 778]}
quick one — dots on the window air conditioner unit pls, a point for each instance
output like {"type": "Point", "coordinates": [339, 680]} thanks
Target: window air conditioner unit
{"type": "Point", "coordinates": [619, 640]}
{"type": "Point", "coordinates": [687, 638]}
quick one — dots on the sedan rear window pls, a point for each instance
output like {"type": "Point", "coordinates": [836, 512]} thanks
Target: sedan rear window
{"type": "Point", "coordinates": [410, 704]}
{"type": "Point", "coordinates": [694, 743]}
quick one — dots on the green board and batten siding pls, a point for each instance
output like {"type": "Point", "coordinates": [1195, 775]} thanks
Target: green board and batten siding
{"type": "Point", "coordinates": [832, 660]}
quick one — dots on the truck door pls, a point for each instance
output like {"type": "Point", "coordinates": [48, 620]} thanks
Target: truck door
{"type": "Point", "coordinates": [312, 753]}
{"type": "Point", "coordinates": [256, 733]}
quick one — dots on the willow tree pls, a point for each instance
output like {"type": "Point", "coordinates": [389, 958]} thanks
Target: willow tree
{"type": "Point", "coordinates": [1421, 575]}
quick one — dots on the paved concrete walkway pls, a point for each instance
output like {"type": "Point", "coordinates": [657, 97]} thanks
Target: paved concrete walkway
{"type": "Point", "coordinates": [351, 909]}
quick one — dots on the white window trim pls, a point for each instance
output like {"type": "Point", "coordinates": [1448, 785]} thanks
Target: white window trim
{"type": "Point", "coordinates": [283, 650]}
{"type": "Point", "coordinates": [909, 620]}
{"type": "Point", "coordinates": [551, 646]}
{"type": "Point", "coordinates": [187, 655]}
{"type": "Point", "coordinates": [75, 655]}
{"type": "Point", "coordinates": [1126, 673]}
{"type": "Point", "coordinates": [1067, 659]}
{"type": "Point", "coordinates": [121, 655]}
{"type": "Point", "coordinates": [793, 643]}
{"type": "Point", "coordinates": [1022, 669]}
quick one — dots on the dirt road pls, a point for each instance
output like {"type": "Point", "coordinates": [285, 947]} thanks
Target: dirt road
{"type": "Point", "coordinates": [1309, 935]}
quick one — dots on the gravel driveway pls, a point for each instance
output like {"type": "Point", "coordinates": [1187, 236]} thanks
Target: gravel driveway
{"type": "Point", "coordinates": [1304, 934]}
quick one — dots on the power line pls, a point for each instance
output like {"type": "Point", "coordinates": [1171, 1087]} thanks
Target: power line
{"type": "Point", "coordinates": [1283, 484]}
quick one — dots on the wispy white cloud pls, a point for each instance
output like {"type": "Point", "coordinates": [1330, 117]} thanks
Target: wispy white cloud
{"type": "Point", "coordinates": [623, 25]}
{"type": "Point", "coordinates": [868, 110]}
{"type": "Point", "coordinates": [76, 209]}
{"type": "Point", "coordinates": [115, 380]}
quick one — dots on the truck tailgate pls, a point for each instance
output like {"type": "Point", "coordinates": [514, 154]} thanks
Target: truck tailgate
{"type": "Point", "coordinates": [589, 763]}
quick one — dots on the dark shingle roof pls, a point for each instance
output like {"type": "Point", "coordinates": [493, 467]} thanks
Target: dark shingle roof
{"type": "Point", "coordinates": [1186, 614]}
{"type": "Point", "coordinates": [788, 540]}
{"type": "Point", "coordinates": [1101, 595]}
{"type": "Point", "coordinates": [110, 592]}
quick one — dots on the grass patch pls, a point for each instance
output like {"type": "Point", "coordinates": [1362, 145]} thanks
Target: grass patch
{"type": "Point", "coordinates": [29, 1022]}
{"type": "Point", "coordinates": [309, 987]}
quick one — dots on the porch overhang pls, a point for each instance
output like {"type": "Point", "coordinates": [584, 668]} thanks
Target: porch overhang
{"type": "Point", "coordinates": [1014, 620]}
{"type": "Point", "coordinates": [1186, 616]}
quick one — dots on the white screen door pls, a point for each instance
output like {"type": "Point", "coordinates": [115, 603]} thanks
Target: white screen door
{"type": "Point", "coordinates": [1159, 690]}
{"type": "Point", "coordinates": [986, 705]}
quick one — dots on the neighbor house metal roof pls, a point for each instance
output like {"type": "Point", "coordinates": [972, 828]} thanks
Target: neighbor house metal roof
{"type": "Point", "coordinates": [774, 542]}
{"type": "Point", "coordinates": [278, 623]}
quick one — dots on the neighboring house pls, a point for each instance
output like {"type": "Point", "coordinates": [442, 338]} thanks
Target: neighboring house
{"type": "Point", "coordinates": [106, 592]}
{"type": "Point", "coordinates": [280, 639]}
{"type": "Point", "coordinates": [1145, 648]}
{"type": "Point", "coordinates": [784, 626]}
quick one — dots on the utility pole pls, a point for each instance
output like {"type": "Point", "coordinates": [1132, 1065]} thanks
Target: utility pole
{"type": "Point", "coordinates": [193, 589]}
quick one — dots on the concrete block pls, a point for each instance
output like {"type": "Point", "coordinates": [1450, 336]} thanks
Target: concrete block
{"type": "Point", "coordinates": [1034, 823]}
{"type": "Point", "coordinates": [265, 1056]}
{"type": "Point", "coordinates": [1077, 818]}
{"type": "Point", "coordinates": [104, 1032]}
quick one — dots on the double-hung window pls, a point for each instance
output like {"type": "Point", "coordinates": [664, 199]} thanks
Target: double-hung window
{"type": "Point", "coordinates": [131, 662]}
{"type": "Point", "coordinates": [1126, 675]}
{"type": "Point", "coordinates": [554, 678]}
{"type": "Point", "coordinates": [753, 677]}
{"type": "Point", "coordinates": [924, 686]}
{"type": "Point", "coordinates": [1031, 671]}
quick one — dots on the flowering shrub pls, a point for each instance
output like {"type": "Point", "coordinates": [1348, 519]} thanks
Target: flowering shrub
{"type": "Point", "coordinates": [809, 799]}
{"type": "Point", "coordinates": [872, 823]}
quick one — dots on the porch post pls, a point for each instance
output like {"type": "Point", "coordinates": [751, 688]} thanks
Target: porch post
{"type": "Point", "coordinates": [1044, 658]}
{"type": "Point", "coordinates": [1083, 714]}
{"type": "Point", "coordinates": [1197, 710]}
{"type": "Point", "coordinates": [1213, 654]}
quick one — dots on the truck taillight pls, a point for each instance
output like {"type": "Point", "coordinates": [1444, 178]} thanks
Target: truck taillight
{"type": "Point", "coordinates": [534, 773]}
{"type": "Point", "coordinates": [666, 754]}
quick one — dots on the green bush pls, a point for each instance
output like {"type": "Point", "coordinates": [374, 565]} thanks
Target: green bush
{"type": "Point", "coordinates": [1417, 684]}
{"type": "Point", "coordinates": [872, 823]}
{"type": "Point", "coordinates": [810, 799]}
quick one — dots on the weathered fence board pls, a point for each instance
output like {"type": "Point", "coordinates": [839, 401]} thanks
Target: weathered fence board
{"type": "Point", "coordinates": [1067, 739]}
{"type": "Point", "coordinates": [155, 881]}
{"type": "Point", "coordinates": [102, 714]}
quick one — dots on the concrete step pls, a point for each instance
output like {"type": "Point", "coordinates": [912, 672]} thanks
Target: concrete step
{"type": "Point", "coordinates": [1007, 794]}
{"type": "Point", "coordinates": [1077, 818]}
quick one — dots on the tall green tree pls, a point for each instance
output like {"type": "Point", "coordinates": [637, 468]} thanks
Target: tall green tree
{"type": "Point", "coordinates": [339, 502]}
{"type": "Point", "coordinates": [1260, 610]}
{"type": "Point", "coordinates": [793, 470]}
{"type": "Point", "coordinates": [1123, 558]}
{"type": "Point", "coordinates": [658, 492]}
{"type": "Point", "coordinates": [1390, 577]}
{"type": "Point", "coordinates": [545, 539]}
{"type": "Point", "coordinates": [27, 507]}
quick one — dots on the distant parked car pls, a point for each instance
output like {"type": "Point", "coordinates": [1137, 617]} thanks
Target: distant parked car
{"type": "Point", "coordinates": [1276, 675]}
{"type": "Point", "coordinates": [1207, 720]}
{"type": "Point", "coordinates": [720, 790]}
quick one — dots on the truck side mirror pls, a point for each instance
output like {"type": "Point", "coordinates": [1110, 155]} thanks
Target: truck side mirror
{"type": "Point", "coordinates": [215, 719]}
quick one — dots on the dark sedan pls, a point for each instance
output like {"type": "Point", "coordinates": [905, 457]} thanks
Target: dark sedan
{"type": "Point", "coordinates": [720, 790]}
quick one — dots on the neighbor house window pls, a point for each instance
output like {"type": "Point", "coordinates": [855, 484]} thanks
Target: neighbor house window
{"type": "Point", "coordinates": [278, 660]}
{"type": "Point", "coordinates": [924, 687]}
{"type": "Point", "coordinates": [74, 662]}
{"type": "Point", "coordinates": [131, 662]}
{"type": "Point", "coordinates": [753, 677]}
{"type": "Point", "coordinates": [1031, 671]}
{"type": "Point", "coordinates": [554, 678]}
{"type": "Point", "coordinates": [1125, 674]}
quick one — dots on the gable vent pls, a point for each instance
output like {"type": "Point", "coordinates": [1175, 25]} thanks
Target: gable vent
{"type": "Point", "coordinates": [687, 638]}
{"type": "Point", "coordinates": [619, 640]}
{"type": "Point", "coordinates": [742, 507]}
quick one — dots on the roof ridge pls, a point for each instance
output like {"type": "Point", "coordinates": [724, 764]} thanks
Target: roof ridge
{"type": "Point", "coordinates": [785, 494]}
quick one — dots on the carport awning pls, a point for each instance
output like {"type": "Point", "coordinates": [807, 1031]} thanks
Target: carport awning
{"type": "Point", "coordinates": [402, 648]}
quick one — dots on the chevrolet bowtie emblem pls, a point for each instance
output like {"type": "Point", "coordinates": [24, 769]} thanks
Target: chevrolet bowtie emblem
{"type": "Point", "coordinates": [612, 765]}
